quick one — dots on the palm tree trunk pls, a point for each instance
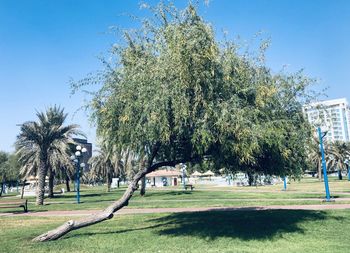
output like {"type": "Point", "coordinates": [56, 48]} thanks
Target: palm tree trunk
{"type": "Point", "coordinates": [109, 181]}
{"type": "Point", "coordinates": [250, 178]}
{"type": "Point", "coordinates": [1, 189]}
{"type": "Point", "coordinates": [106, 213]}
{"type": "Point", "coordinates": [143, 180]}
{"type": "Point", "coordinates": [340, 176]}
{"type": "Point", "coordinates": [143, 186]}
{"type": "Point", "coordinates": [51, 184]}
{"type": "Point", "coordinates": [41, 182]}
{"type": "Point", "coordinates": [67, 184]}
{"type": "Point", "coordinates": [319, 171]}
{"type": "Point", "coordinates": [22, 190]}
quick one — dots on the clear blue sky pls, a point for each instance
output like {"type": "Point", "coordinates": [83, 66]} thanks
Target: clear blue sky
{"type": "Point", "coordinates": [45, 43]}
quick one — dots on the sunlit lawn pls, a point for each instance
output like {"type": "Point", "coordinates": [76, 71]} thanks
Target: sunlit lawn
{"type": "Point", "coordinates": [237, 231]}
{"type": "Point", "coordinates": [233, 231]}
{"type": "Point", "coordinates": [307, 191]}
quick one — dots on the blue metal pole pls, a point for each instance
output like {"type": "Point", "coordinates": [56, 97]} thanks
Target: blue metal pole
{"type": "Point", "coordinates": [328, 197]}
{"type": "Point", "coordinates": [78, 182]}
{"type": "Point", "coordinates": [285, 183]}
{"type": "Point", "coordinates": [347, 166]}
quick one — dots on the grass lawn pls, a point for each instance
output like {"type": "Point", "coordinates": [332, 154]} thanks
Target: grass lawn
{"type": "Point", "coordinates": [307, 191]}
{"type": "Point", "coordinates": [236, 231]}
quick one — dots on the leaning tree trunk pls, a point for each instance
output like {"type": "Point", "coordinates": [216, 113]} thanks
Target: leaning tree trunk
{"type": "Point", "coordinates": [41, 184]}
{"type": "Point", "coordinates": [106, 213]}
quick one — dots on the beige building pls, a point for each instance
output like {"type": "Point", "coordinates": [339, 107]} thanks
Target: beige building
{"type": "Point", "coordinates": [162, 178]}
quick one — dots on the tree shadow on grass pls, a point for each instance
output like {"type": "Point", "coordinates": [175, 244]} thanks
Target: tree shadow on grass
{"type": "Point", "coordinates": [211, 225]}
{"type": "Point", "coordinates": [121, 231]}
{"type": "Point", "coordinates": [167, 193]}
{"type": "Point", "coordinates": [245, 225]}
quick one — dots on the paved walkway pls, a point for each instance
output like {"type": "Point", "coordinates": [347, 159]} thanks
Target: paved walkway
{"type": "Point", "coordinates": [181, 210]}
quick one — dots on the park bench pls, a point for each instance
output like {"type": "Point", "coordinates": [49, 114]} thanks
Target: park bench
{"type": "Point", "coordinates": [23, 204]}
{"type": "Point", "coordinates": [189, 186]}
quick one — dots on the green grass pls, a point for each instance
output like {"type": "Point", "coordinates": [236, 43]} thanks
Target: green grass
{"type": "Point", "coordinates": [236, 231]}
{"type": "Point", "coordinates": [307, 191]}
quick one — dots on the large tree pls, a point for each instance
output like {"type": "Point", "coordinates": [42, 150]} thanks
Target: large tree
{"type": "Point", "coordinates": [175, 94]}
{"type": "Point", "coordinates": [43, 144]}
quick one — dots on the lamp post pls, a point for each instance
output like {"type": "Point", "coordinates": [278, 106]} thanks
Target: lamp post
{"type": "Point", "coordinates": [284, 183]}
{"type": "Point", "coordinates": [76, 159]}
{"type": "Point", "coordinates": [325, 176]}
{"type": "Point", "coordinates": [229, 179]}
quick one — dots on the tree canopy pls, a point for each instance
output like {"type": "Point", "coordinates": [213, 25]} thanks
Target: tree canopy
{"type": "Point", "coordinates": [9, 167]}
{"type": "Point", "coordinates": [174, 86]}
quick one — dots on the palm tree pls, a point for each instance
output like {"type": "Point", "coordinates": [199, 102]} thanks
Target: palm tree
{"type": "Point", "coordinates": [129, 161]}
{"type": "Point", "coordinates": [58, 161]}
{"type": "Point", "coordinates": [66, 173]}
{"type": "Point", "coordinates": [133, 163]}
{"type": "Point", "coordinates": [44, 143]}
{"type": "Point", "coordinates": [339, 152]}
{"type": "Point", "coordinates": [315, 156]}
{"type": "Point", "coordinates": [106, 164]}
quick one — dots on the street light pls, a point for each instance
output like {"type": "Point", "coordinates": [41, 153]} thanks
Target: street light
{"type": "Point", "coordinates": [76, 159]}
{"type": "Point", "coordinates": [229, 177]}
{"type": "Point", "coordinates": [325, 176]}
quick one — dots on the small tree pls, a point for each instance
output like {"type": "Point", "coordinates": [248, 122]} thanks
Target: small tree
{"type": "Point", "coordinates": [9, 169]}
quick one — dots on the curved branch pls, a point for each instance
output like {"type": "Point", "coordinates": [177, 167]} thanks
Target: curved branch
{"type": "Point", "coordinates": [106, 213]}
